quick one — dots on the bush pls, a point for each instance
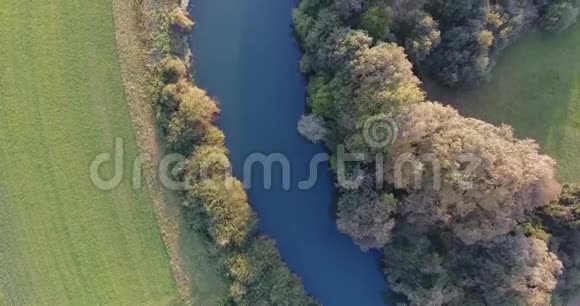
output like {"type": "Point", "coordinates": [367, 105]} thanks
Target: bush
{"type": "Point", "coordinates": [223, 201]}
{"type": "Point", "coordinates": [180, 21]}
{"type": "Point", "coordinates": [193, 118]}
{"type": "Point", "coordinates": [270, 280]}
{"type": "Point", "coordinates": [172, 69]}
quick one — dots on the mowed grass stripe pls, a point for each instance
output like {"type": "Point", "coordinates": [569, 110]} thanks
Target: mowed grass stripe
{"type": "Point", "coordinates": [61, 103]}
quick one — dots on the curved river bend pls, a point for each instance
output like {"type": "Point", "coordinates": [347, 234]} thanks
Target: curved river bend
{"type": "Point", "coordinates": [247, 58]}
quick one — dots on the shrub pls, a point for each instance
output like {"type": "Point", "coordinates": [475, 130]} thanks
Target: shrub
{"type": "Point", "coordinates": [223, 201]}
{"type": "Point", "coordinates": [272, 283]}
{"type": "Point", "coordinates": [172, 69]}
{"type": "Point", "coordinates": [193, 118]}
{"type": "Point", "coordinates": [180, 21]}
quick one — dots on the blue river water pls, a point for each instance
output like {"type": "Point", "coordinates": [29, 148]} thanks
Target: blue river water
{"type": "Point", "coordinates": [247, 58]}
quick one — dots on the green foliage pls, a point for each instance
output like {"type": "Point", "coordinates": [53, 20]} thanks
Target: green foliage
{"type": "Point", "coordinates": [302, 23]}
{"type": "Point", "coordinates": [263, 279]}
{"type": "Point", "coordinates": [320, 98]}
{"type": "Point", "coordinates": [348, 8]}
{"type": "Point", "coordinates": [533, 230]}
{"type": "Point", "coordinates": [463, 57]}
{"type": "Point", "coordinates": [559, 17]}
{"type": "Point", "coordinates": [384, 81]}
{"type": "Point", "coordinates": [377, 20]}
{"type": "Point", "coordinates": [435, 269]}
{"type": "Point", "coordinates": [224, 202]}
{"type": "Point", "coordinates": [194, 116]}
{"type": "Point", "coordinates": [366, 218]}
{"type": "Point", "coordinates": [422, 35]}
{"type": "Point", "coordinates": [325, 24]}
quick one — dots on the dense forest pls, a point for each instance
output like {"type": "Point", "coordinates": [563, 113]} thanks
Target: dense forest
{"type": "Point", "coordinates": [464, 212]}
{"type": "Point", "coordinates": [215, 201]}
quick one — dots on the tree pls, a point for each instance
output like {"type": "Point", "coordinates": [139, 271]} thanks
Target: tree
{"type": "Point", "coordinates": [208, 162]}
{"type": "Point", "coordinates": [422, 35]}
{"type": "Point", "coordinates": [433, 268]}
{"type": "Point", "coordinates": [172, 69]}
{"type": "Point", "coordinates": [562, 221]}
{"type": "Point", "coordinates": [455, 12]}
{"type": "Point", "coordinates": [321, 98]}
{"type": "Point", "coordinates": [341, 47]}
{"type": "Point", "coordinates": [222, 201]}
{"type": "Point", "coordinates": [384, 80]}
{"type": "Point", "coordinates": [415, 268]}
{"type": "Point", "coordinates": [317, 35]}
{"type": "Point", "coordinates": [559, 17]}
{"type": "Point", "coordinates": [366, 217]}
{"type": "Point", "coordinates": [463, 57]}
{"type": "Point", "coordinates": [312, 128]}
{"type": "Point", "coordinates": [477, 179]}
{"type": "Point", "coordinates": [190, 122]}
{"type": "Point", "coordinates": [348, 8]}
{"type": "Point", "coordinates": [261, 278]}
{"type": "Point", "coordinates": [377, 20]}
{"type": "Point", "coordinates": [514, 270]}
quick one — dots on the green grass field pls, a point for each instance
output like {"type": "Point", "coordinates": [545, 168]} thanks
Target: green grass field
{"type": "Point", "coordinates": [536, 89]}
{"type": "Point", "coordinates": [62, 240]}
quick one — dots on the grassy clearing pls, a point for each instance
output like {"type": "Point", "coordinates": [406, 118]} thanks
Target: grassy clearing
{"type": "Point", "coordinates": [536, 89]}
{"type": "Point", "coordinates": [63, 241]}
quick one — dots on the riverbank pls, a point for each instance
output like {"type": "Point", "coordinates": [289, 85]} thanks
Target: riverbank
{"type": "Point", "coordinates": [215, 202]}
{"type": "Point", "coordinates": [194, 269]}
{"type": "Point", "coordinates": [247, 57]}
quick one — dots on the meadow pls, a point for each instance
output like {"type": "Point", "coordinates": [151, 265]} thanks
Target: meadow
{"type": "Point", "coordinates": [535, 88]}
{"type": "Point", "coordinates": [63, 241]}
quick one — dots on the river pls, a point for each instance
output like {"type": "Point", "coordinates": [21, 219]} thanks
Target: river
{"type": "Point", "coordinates": [247, 58]}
